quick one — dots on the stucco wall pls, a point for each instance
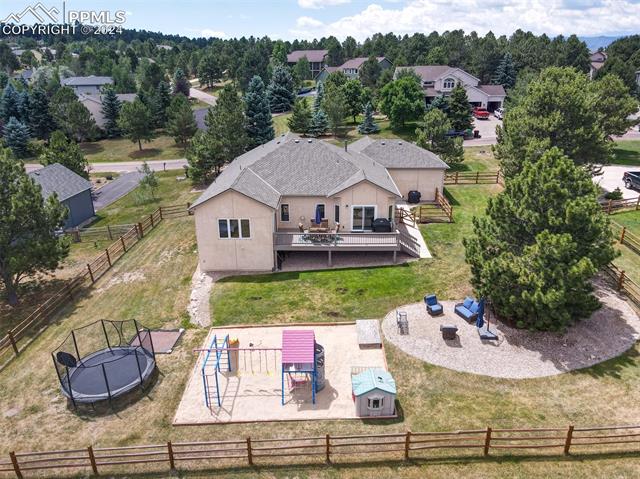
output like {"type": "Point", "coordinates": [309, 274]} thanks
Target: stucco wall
{"type": "Point", "coordinates": [423, 180]}
{"type": "Point", "coordinates": [363, 194]}
{"type": "Point", "coordinates": [304, 206]}
{"type": "Point", "coordinates": [217, 254]}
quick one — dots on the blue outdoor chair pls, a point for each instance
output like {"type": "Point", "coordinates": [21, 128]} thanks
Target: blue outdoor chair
{"type": "Point", "coordinates": [468, 309]}
{"type": "Point", "coordinates": [433, 307]}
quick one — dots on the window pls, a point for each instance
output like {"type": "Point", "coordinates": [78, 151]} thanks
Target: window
{"type": "Point", "coordinates": [284, 212]}
{"type": "Point", "coordinates": [375, 402]}
{"type": "Point", "coordinates": [362, 217]}
{"type": "Point", "coordinates": [336, 213]}
{"type": "Point", "coordinates": [321, 208]}
{"type": "Point", "coordinates": [448, 83]}
{"type": "Point", "coordinates": [234, 229]}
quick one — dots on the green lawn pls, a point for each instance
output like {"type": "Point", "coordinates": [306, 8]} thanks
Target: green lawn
{"type": "Point", "coordinates": [629, 260]}
{"type": "Point", "coordinates": [627, 153]}
{"type": "Point", "coordinates": [121, 149]}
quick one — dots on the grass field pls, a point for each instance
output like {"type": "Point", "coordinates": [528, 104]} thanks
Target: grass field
{"type": "Point", "coordinates": [627, 153]}
{"type": "Point", "coordinates": [121, 149]}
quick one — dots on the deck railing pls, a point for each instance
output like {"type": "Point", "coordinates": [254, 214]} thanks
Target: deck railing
{"type": "Point", "coordinates": [335, 240]}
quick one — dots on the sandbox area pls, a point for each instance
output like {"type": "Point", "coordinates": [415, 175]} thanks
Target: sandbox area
{"type": "Point", "coordinates": [608, 333]}
{"type": "Point", "coordinates": [253, 393]}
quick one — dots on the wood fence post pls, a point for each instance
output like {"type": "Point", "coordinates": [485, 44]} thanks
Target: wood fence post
{"type": "Point", "coordinates": [151, 218]}
{"type": "Point", "coordinates": [487, 441]}
{"type": "Point", "coordinates": [14, 345]}
{"type": "Point", "coordinates": [76, 236]}
{"type": "Point", "coordinates": [91, 273]}
{"type": "Point", "coordinates": [106, 251]}
{"type": "Point", "coordinates": [327, 448]}
{"type": "Point", "coordinates": [567, 442]}
{"type": "Point", "coordinates": [622, 233]}
{"type": "Point", "coordinates": [160, 210]}
{"type": "Point", "coordinates": [638, 203]}
{"type": "Point", "coordinates": [141, 231]}
{"type": "Point", "coordinates": [16, 466]}
{"type": "Point", "coordinates": [109, 233]}
{"type": "Point", "coordinates": [249, 453]}
{"type": "Point", "coordinates": [124, 246]}
{"type": "Point", "coordinates": [477, 177]}
{"type": "Point", "coordinates": [456, 177]}
{"type": "Point", "coordinates": [92, 458]}
{"type": "Point", "coordinates": [172, 462]}
{"type": "Point", "coordinates": [609, 207]}
{"type": "Point", "coordinates": [407, 444]}
{"type": "Point", "coordinates": [621, 280]}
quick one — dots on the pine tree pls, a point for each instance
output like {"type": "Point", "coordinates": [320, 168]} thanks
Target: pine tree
{"type": "Point", "coordinates": [506, 72]}
{"type": "Point", "coordinates": [537, 271]}
{"type": "Point", "coordinates": [300, 119]}
{"type": "Point", "coordinates": [181, 83]}
{"type": "Point", "coordinates": [41, 123]}
{"type": "Point", "coordinates": [135, 122]}
{"type": "Point", "coordinates": [149, 181]}
{"type": "Point", "coordinates": [181, 125]}
{"type": "Point", "coordinates": [368, 125]}
{"type": "Point", "coordinates": [258, 120]}
{"type": "Point", "coordinates": [280, 91]}
{"type": "Point", "coordinates": [159, 104]}
{"type": "Point", "coordinates": [432, 136]}
{"type": "Point", "coordinates": [319, 123]}
{"type": "Point", "coordinates": [201, 156]}
{"type": "Point", "coordinates": [16, 137]}
{"type": "Point", "coordinates": [23, 106]}
{"type": "Point", "coordinates": [27, 246]}
{"type": "Point", "coordinates": [66, 152]}
{"type": "Point", "coordinates": [319, 98]}
{"type": "Point", "coordinates": [441, 103]}
{"type": "Point", "coordinates": [111, 111]}
{"type": "Point", "coordinates": [459, 109]}
{"type": "Point", "coordinates": [9, 103]}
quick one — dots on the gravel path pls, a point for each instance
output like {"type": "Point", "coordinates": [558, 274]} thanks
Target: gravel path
{"type": "Point", "coordinates": [608, 333]}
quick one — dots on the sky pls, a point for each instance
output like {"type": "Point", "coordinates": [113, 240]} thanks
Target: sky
{"type": "Point", "coordinates": [308, 19]}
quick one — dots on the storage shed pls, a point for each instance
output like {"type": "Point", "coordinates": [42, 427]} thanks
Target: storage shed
{"type": "Point", "coordinates": [73, 191]}
{"type": "Point", "coordinates": [374, 393]}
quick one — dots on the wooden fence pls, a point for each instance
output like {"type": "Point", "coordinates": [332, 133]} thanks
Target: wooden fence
{"type": "Point", "coordinates": [445, 205]}
{"type": "Point", "coordinates": [19, 337]}
{"type": "Point", "coordinates": [473, 178]}
{"type": "Point", "coordinates": [614, 206]}
{"type": "Point", "coordinates": [400, 446]}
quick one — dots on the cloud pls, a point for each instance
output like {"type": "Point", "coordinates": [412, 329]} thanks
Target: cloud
{"type": "Point", "coordinates": [207, 33]}
{"type": "Point", "coordinates": [553, 17]}
{"type": "Point", "coordinates": [316, 4]}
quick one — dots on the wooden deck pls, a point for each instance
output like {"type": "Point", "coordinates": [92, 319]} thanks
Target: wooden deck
{"type": "Point", "coordinates": [296, 241]}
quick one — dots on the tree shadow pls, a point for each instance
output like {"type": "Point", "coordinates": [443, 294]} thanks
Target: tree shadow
{"type": "Point", "coordinates": [144, 153]}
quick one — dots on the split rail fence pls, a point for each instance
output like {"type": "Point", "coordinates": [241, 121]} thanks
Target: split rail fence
{"type": "Point", "coordinates": [19, 337]}
{"type": "Point", "coordinates": [488, 442]}
{"type": "Point", "coordinates": [474, 178]}
{"type": "Point", "coordinates": [614, 206]}
{"type": "Point", "coordinates": [622, 282]}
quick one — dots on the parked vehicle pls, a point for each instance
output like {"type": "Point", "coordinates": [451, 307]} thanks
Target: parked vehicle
{"type": "Point", "coordinates": [481, 113]}
{"type": "Point", "coordinates": [454, 133]}
{"type": "Point", "coordinates": [499, 113]}
{"type": "Point", "coordinates": [631, 179]}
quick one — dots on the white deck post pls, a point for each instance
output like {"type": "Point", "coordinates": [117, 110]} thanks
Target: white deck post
{"type": "Point", "coordinates": [329, 257]}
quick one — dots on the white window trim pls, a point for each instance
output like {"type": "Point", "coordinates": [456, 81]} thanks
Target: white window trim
{"type": "Point", "coordinates": [444, 83]}
{"type": "Point", "coordinates": [375, 215]}
{"type": "Point", "coordinates": [228, 220]}
{"type": "Point", "coordinates": [380, 400]}
{"type": "Point", "coordinates": [289, 212]}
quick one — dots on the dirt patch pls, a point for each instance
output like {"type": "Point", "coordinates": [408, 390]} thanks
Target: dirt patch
{"type": "Point", "coordinates": [124, 278]}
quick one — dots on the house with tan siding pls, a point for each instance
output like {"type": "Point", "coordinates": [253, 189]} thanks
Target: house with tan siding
{"type": "Point", "coordinates": [267, 201]}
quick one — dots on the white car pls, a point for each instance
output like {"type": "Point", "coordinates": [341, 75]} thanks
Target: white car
{"type": "Point", "coordinates": [499, 113]}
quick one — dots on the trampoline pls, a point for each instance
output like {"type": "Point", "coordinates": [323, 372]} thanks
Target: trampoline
{"type": "Point", "coordinates": [104, 360]}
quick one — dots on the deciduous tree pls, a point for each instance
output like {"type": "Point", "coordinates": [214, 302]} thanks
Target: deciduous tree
{"type": "Point", "coordinates": [135, 122]}
{"type": "Point", "coordinates": [182, 124]}
{"type": "Point", "coordinates": [402, 100]}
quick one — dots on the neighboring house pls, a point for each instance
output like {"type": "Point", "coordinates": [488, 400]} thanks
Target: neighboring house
{"type": "Point", "coordinates": [25, 75]}
{"type": "Point", "coordinates": [374, 393]}
{"type": "Point", "coordinates": [597, 60]}
{"type": "Point", "coordinates": [73, 191]}
{"type": "Point", "coordinates": [351, 68]}
{"type": "Point", "coordinates": [438, 80]}
{"type": "Point", "coordinates": [262, 204]}
{"type": "Point", "coordinates": [93, 103]}
{"type": "Point", "coordinates": [325, 72]}
{"type": "Point", "coordinates": [316, 59]}
{"type": "Point", "coordinates": [91, 85]}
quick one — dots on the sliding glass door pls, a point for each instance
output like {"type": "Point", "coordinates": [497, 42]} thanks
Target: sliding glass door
{"type": "Point", "coordinates": [362, 218]}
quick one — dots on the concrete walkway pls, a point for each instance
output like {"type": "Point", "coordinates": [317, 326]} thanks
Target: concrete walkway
{"type": "Point", "coordinates": [414, 232]}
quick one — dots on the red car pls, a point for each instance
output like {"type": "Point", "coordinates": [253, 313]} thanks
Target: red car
{"type": "Point", "coordinates": [481, 113]}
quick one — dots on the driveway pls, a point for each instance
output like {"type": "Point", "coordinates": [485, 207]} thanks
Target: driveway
{"type": "Point", "coordinates": [202, 96]}
{"type": "Point", "coordinates": [612, 179]}
{"type": "Point", "coordinates": [116, 189]}
{"type": "Point", "coordinates": [487, 129]}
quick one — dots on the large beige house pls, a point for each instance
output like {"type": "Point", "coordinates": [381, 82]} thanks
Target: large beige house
{"type": "Point", "coordinates": [266, 201]}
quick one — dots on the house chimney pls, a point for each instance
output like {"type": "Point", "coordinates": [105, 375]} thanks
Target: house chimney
{"type": "Point", "coordinates": [345, 145]}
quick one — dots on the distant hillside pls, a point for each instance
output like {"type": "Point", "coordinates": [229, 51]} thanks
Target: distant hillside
{"type": "Point", "coordinates": [595, 43]}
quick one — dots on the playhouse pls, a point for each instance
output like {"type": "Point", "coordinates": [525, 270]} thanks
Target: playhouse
{"type": "Point", "coordinates": [374, 393]}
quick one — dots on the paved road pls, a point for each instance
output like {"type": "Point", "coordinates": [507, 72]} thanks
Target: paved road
{"type": "Point", "coordinates": [202, 96]}
{"type": "Point", "coordinates": [125, 166]}
{"type": "Point", "coordinates": [116, 189]}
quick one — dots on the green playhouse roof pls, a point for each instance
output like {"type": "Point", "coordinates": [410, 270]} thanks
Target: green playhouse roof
{"type": "Point", "coordinates": [372, 379]}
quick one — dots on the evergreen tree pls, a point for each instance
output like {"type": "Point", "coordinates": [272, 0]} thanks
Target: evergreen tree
{"type": "Point", "coordinates": [181, 83]}
{"type": "Point", "coordinates": [149, 181]}
{"type": "Point", "coordinates": [280, 91]}
{"type": "Point", "coordinates": [23, 106]}
{"type": "Point", "coordinates": [201, 156]}
{"type": "Point", "coordinates": [432, 136]}
{"type": "Point", "coordinates": [209, 70]}
{"type": "Point", "coordinates": [300, 119]}
{"type": "Point", "coordinates": [370, 72]}
{"type": "Point", "coordinates": [319, 123]}
{"type": "Point", "coordinates": [536, 271]}
{"type": "Point", "coordinates": [159, 104]}
{"type": "Point", "coordinates": [334, 106]}
{"type": "Point", "coordinates": [459, 109]}
{"type": "Point", "coordinates": [302, 69]}
{"type": "Point", "coordinates": [441, 103]}
{"type": "Point", "coordinates": [182, 124]}
{"type": "Point", "coordinates": [506, 72]}
{"type": "Point", "coordinates": [41, 123]}
{"type": "Point", "coordinates": [353, 94]}
{"type": "Point", "coordinates": [111, 111]}
{"type": "Point", "coordinates": [135, 122]}
{"type": "Point", "coordinates": [71, 116]}
{"type": "Point", "coordinates": [9, 106]}
{"type": "Point", "coordinates": [27, 245]}
{"type": "Point", "coordinates": [258, 120]}
{"type": "Point", "coordinates": [16, 137]}
{"type": "Point", "coordinates": [319, 98]}
{"type": "Point", "coordinates": [368, 125]}
{"type": "Point", "coordinates": [66, 152]}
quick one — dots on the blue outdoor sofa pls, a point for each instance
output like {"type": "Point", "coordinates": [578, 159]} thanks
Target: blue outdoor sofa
{"type": "Point", "coordinates": [468, 309]}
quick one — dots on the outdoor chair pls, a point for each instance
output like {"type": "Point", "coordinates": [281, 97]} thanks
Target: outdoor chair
{"type": "Point", "coordinates": [433, 307]}
{"type": "Point", "coordinates": [448, 331]}
{"type": "Point", "coordinates": [468, 309]}
{"type": "Point", "coordinates": [402, 322]}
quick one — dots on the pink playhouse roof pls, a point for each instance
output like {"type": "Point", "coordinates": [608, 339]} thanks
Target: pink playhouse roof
{"type": "Point", "coordinates": [298, 346]}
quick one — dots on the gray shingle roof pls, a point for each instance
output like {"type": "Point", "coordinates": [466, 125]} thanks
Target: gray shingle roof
{"type": "Point", "coordinates": [357, 62]}
{"type": "Point", "coordinates": [312, 55]}
{"type": "Point", "coordinates": [493, 90]}
{"type": "Point", "coordinates": [428, 72]}
{"type": "Point", "coordinates": [87, 81]}
{"type": "Point", "coordinates": [394, 153]}
{"type": "Point", "coordinates": [61, 180]}
{"type": "Point", "coordinates": [93, 103]}
{"type": "Point", "coordinates": [291, 166]}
